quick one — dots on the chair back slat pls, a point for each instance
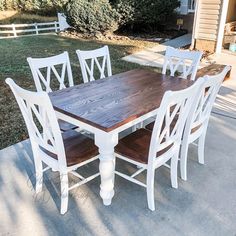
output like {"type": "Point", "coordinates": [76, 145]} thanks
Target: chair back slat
{"type": "Point", "coordinates": [186, 62]}
{"type": "Point", "coordinates": [57, 66]}
{"type": "Point", "coordinates": [41, 121]}
{"type": "Point", "coordinates": [89, 61]}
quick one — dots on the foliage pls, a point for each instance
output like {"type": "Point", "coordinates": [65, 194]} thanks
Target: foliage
{"type": "Point", "coordinates": [35, 6]}
{"type": "Point", "coordinates": [125, 9]}
{"type": "Point", "coordinates": [91, 16]}
{"type": "Point", "coordinates": [145, 11]}
{"type": "Point", "coordinates": [100, 15]}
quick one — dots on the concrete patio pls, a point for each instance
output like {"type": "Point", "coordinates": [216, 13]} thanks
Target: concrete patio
{"type": "Point", "coordinates": [154, 56]}
{"type": "Point", "coordinates": [204, 205]}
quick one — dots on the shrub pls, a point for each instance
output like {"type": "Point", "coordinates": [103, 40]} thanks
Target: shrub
{"type": "Point", "coordinates": [125, 9]}
{"type": "Point", "coordinates": [91, 16]}
{"type": "Point", "coordinates": [145, 11]}
{"type": "Point", "coordinates": [101, 15]}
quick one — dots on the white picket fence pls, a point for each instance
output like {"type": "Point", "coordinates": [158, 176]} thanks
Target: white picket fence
{"type": "Point", "coordinates": [15, 30]}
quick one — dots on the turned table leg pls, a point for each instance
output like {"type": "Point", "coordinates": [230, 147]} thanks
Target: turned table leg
{"type": "Point", "coordinates": [106, 143]}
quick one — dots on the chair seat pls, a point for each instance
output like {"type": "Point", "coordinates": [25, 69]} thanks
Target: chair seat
{"type": "Point", "coordinates": [65, 126]}
{"type": "Point", "coordinates": [78, 148]}
{"type": "Point", "coordinates": [135, 146]}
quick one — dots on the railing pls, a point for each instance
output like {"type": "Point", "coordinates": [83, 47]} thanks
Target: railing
{"type": "Point", "coordinates": [191, 5]}
{"type": "Point", "coordinates": [14, 30]}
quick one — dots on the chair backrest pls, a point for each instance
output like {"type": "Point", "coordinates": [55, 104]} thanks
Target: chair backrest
{"type": "Point", "coordinates": [185, 61]}
{"type": "Point", "coordinates": [44, 70]}
{"type": "Point", "coordinates": [89, 62]}
{"type": "Point", "coordinates": [170, 120]}
{"type": "Point", "coordinates": [205, 98]}
{"type": "Point", "coordinates": [41, 122]}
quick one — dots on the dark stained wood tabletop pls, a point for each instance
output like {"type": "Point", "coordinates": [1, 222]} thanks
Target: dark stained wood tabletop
{"type": "Point", "coordinates": [111, 102]}
{"type": "Point", "coordinates": [212, 69]}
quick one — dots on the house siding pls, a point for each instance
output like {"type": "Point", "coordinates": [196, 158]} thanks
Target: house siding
{"type": "Point", "coordinates": [207, 24]}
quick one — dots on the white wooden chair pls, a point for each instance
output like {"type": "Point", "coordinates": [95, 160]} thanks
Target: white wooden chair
{"type": "Point", "coordinates": [62, 152]}
{"type": "Point", "coordinates": [150, 150]}
{"type": "Point", "coordinates": [43, 82]}
{"type": "Point", "coordinates": [197, 122]}
{"type": "Point", "coordinates": [89, 61]}
{"type": "Point", "coordinates": [182, 61]}
{"type": "Point", "coordinates": [186, 62]}
{"type": "Point", "coordinates": [45, 71]}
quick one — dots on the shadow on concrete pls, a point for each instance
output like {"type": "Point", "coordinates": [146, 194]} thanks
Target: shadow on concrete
{"type": "Point", "coordinates": [204, 205]}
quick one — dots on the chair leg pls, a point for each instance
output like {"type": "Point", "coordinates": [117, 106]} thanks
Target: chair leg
{"type": "Point", "coordinates": [150, 189]}
{"type": "Point", "coordinates": [174, 171]}
{"type": "Point", "coordinates": [64, 192]}
{"type": "Point", "coordinates": [114, 162]}
{"type": "Point", "coordinates": [38, 168]}
{"type": "Point", "coordinates": [201, 145]}
{"type": "Point", "coordinates": [39, 176]}
{"type": "Point", "coordinates": [183, 160]}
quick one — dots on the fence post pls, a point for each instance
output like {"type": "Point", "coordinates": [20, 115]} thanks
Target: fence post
{"type": "Point", "coordinates": [55, 26]}
{"type": "Point", "coordinates": [62, 21]}
{"type": "Point", "coordinates": [14, 30]}
{"type": "Point", "coordinates": [36, 28]}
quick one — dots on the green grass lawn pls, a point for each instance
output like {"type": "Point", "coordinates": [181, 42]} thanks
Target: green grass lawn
{"type": "Point", "coordinates": [13, 64]}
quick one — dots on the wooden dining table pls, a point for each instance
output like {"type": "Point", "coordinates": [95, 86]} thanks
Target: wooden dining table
{"type": "Point", "coordinates": [108, 106]}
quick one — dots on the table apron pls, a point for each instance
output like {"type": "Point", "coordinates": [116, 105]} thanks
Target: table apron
{"type": "Point", "coordinates": [95, 130]}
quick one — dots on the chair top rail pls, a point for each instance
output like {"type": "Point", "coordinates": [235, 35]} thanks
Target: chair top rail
{"type": "Point", "coordinates": [89, 54]}
{"type": "Point", "coordinates": [47, 61]}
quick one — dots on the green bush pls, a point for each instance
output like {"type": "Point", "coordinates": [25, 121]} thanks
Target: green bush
{"type": "Point", "coordinates": [125, 9]}
{"type": "Point", "coordinates": [91, 16]}
{"type": "Point", "coordinates": [145, 11]}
